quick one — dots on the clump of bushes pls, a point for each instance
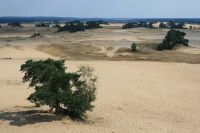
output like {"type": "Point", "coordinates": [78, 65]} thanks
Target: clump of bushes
{"type": "Point", "coordinates": [72, 27]}
{"type": "Point", "coordinates": [15, 24]}
{"type": "Point", "coordinates": [76, 26]}
{"type": "Point", "coordinates": [93, 25]}
{"type": "Point", "coordinates": [70, 93]}
{"type": "Point", "coordinates": [36, 34]}
{"type": "Point", "coordinates": [172, 39]}
{"type": "Point", "coordinates": [42, 25]}
{"type": "Point", "coordinates": [138, 25]}
{"type": "Point", "coordinates": [172, 25]}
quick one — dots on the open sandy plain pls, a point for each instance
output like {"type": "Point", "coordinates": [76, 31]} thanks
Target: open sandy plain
{"type": "Point", "coordinates": [133, 96]}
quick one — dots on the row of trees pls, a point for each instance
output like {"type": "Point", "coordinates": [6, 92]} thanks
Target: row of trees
{"type": "Point", "coordinates": [16, 24]}
{"type": "Point", "coordinates": [80, 26]}
{"type": "Point", "coordinates": [138, 25]}
{"type": "Point", "coordinates": [172, 25]}
{"type": "Point", "coordinates": [169, 25]}
{"type": "Point", "coordinates": [42, 25]}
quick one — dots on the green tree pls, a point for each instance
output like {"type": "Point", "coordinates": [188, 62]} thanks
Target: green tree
{"type": "Point", "coordinates": [72, 27]}
{"type": "Point", "coordinates": [93, 25]}
{"type": "Point", "coordinates": [173, 38]}
{"type": "Point", "coordinates": [68, 93]}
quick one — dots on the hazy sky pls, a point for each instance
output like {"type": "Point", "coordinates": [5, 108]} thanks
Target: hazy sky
{"type": "Point", "coordinates": [102, 8]}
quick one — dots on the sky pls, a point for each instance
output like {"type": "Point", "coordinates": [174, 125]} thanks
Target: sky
{"type": "Point", "coordinates": [102, 8]}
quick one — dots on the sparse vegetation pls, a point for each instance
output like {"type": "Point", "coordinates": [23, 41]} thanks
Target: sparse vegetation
{"type": "Point", "coordinates": [172, 25]}
{"type": "Point", "coordinates": [93, 25]}
{"type": "Point", "coordinates": [42, 25]}
{"type": "Point", "coordinates": [138, 25]}
{"type": "Point", "coordinates": [15, 24]}
{"type": "Point", "coordinates": [173, 38]}
{"type": "Point", "coordinates": [76, 26]}
{"type": "Point", "coordinates": [36, 34]}
{"type": "Point", "coordinates": [68, 93]}
{"type": "Point", "coordinates": [72, 27]}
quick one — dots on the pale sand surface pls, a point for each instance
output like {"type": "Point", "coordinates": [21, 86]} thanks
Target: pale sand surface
{"type": "Point", "coordinates": [132, 96]}
{"type": "Point", "coordinates": [141, 97]}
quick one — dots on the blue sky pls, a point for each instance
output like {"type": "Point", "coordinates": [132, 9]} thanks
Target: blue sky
{"type": "Point", "coordinates": [102, 8]}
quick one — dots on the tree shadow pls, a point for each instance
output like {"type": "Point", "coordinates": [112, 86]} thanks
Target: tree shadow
{"type": "Point", "coordinates": [22, 118]}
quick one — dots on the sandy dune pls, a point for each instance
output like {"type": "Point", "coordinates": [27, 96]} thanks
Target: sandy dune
{"type": "Point", "coordinates": [142, 97]}
{"type": "Point", "coordinates": [132, 96]}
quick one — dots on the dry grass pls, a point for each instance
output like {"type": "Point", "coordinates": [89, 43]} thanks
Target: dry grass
{"type": "Point", "coordinates": [73, 51]}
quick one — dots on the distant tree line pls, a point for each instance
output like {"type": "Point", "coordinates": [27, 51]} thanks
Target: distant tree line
{"type": "Point", "coordinates": [138, 25]}
{"type": "Point", "coordinates": [167, 25]}
{"type": "Point", "coordinates": [172, 25]}
{"type": "Point", "coordinates": [15, 24]}
{"type": "Point", "coordinates": [42, 25]}
{"type": "Point", "coordinates": [76, 26]}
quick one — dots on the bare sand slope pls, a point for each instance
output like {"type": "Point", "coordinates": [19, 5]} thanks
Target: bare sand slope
{"type": "Point", "coordinates": [19, 52]}
{"type": "Point", "coordinates": [133, 97]}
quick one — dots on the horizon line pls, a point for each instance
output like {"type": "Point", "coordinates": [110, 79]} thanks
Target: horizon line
{"type": "Point", "coordinates": [105, 17]}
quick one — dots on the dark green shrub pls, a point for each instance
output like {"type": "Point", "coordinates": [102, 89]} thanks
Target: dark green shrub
{"type": "Point", "coordinates": [69, 93]}
{"type": "Point", "coordinates": [138, 25]}
{"type": "Point", "coordinates": [15, 24]}
{"type": "Point", "coordinates": [162, 25]}
{"type": "Point", "coordinates": [93, 25]}
{"type": "Point", "coordinates": [42, 25]}
{"type": "Point", "coordinates": [36, 34]}
{"type": "Point", "coordinates": [72, 27]}
{"type": "Point", "coordinates": [134, 47]}
{"type": "Point", "coordinates": [173, 38]}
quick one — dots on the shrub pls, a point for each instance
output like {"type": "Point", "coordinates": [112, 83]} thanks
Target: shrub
{"type": "Point", "coordinates": [74, 26]}
{"type": "Point", "coordinates": [68, 93]}
{"type": "Point", "coordinates": [173, 38]}
{"type": "Point", "coordinates": [35, 34]}
{"type": "Point", "coordinates": [42, 25]}
{"type": "Point", "coordinates": [138, 25]}
{"type": "Point", "coordinates": [15, 24]}
{"type": "Point", "coordinates": [134, 47]}
{"type": "Point", "coordinates": [93, 25]}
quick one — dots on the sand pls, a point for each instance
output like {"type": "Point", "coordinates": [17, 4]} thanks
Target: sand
{"type": "Point", "coordinates": [144, 97]}
{"type": "Point", "coordinates": [132, 96]}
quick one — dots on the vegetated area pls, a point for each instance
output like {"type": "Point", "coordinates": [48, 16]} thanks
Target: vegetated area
{"type": "Point", "coordinates": [15, 24]}
{"type": "Point", "coordinates": [133, 95]}
{"type": "Point", "coordinates": [152, 25]}
{"type": "Point", "coordinates": [103, 42]}
{"type": "Point", "coordinates": [76, 26]}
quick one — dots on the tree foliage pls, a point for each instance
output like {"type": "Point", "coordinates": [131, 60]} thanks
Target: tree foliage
{"type": "Point", "coordinates": [138, 25]}
{"type": "Point", "coordinates": [173, 38]}
{"type": "Point", "coordinates": [69, 93]}
{"type": "Point", "coordinates": [42, 25]}
{"type": "Point", "coordinates": [72, 27]}
{"type": "Point", "coordinates": [15, 24]}
{"type": "Point", "coordinates": [76, 26]}
{"type": "Point", "coordinates": [93, 25]}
